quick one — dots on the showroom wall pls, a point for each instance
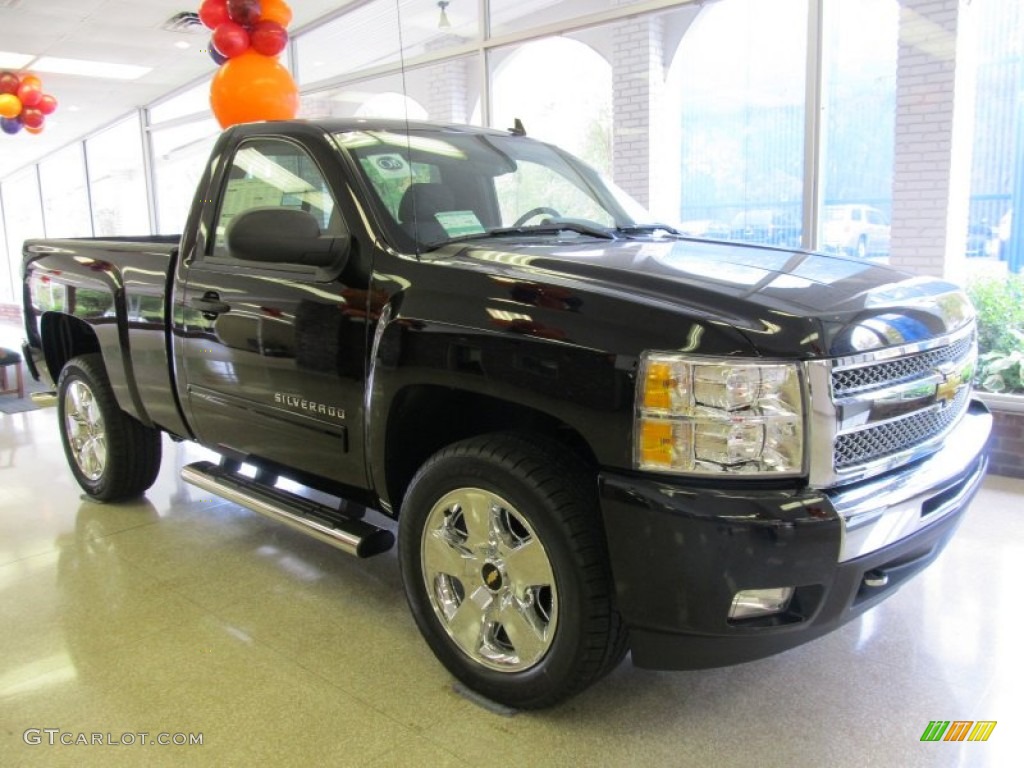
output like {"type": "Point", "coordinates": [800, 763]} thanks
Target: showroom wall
{"type": "Point", "coordinates": [741, 119]}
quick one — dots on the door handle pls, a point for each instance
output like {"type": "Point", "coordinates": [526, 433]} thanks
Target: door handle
{"type": "Point", "coordinates": [210, 305]}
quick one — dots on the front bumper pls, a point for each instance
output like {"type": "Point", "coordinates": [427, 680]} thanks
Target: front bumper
{"type": "Point", "coordinates": [679, 554]}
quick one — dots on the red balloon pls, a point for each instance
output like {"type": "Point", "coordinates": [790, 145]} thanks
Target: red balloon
{"type": "Point", "coordinates": [47, 105]}
{"type": "Point", "coordinates": [213, 13]}
{"type": "Point", "coordinates": [231, 39]}
{"type": "Point", "coordinates": [29, 93]}
{"type": "Point", "coordinates": [268, 38]}
{"type": "Point", "coordinates": [253, 87]}
{"type": "Point", "coordinates": [32, 118]}
{"type": "Point", "coordinates": [276, 10]}
{"type": "Point", "coordinates": [9, 82]}
{"type": "Point", "coordinates": [244, 12]}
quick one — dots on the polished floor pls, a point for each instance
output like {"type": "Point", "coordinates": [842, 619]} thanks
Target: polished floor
{"type": "Point", "coordinates": [185, 614]}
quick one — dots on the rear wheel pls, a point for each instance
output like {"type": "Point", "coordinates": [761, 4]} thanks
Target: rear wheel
{"type": "Point", "coordinates": [505, 568]}
{"type": "Point", "coordinates": [112, 455]}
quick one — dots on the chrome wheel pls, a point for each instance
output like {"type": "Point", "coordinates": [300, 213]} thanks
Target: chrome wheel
{"type": "Point", "coordinates": [489, 580]}
{"type": "Point", "coordinates": [86, 432]}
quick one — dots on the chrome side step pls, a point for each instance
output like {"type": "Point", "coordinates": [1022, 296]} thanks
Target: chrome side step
{"type": "Point", "coordinates": [356, 537]}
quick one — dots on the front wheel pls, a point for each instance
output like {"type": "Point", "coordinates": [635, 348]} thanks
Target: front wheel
{"type": "Point", "coordinates": [505, 569]}
{"type": "Point", "coordinates": [112, 455]}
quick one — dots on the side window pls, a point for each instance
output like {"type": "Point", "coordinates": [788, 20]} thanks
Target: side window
{"type": "Point", "coordinates": [274, 173]}
{"type": "Point", "coordinates": [856, 214]}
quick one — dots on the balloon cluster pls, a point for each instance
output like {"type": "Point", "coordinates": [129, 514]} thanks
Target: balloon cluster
{"type": "Point", "coordinates": [23, 103]}
{"type": "Point", "coordinates": [247, 37]}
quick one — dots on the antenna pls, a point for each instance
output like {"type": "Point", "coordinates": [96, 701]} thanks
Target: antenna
{"type": "Point", "coordinates": [517, 128]}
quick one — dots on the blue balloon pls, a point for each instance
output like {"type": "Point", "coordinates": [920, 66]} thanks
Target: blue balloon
{"type": "Point", "coordinates": [218, 57]}
{"type": "Point", "coordinates": [10, 125]}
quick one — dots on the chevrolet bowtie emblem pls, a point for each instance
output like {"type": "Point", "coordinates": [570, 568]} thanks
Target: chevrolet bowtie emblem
{"type": "Point", "coordinates": [950, 386]}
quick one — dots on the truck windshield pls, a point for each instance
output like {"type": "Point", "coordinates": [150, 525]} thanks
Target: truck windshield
{"type": "Point", "coordinates": [432, 187]}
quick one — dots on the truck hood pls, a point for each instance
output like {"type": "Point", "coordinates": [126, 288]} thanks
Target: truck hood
{"type": "Point", "coordinates": [844, 305]}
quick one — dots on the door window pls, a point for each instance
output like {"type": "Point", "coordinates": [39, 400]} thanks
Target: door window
{"type": "Point", "coordinates": [274, 173]}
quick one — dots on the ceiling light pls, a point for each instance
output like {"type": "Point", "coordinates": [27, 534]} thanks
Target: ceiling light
{"type": "Point", "coordinates": [59, 66]}
{"type": "Point", "coordinates": [182, 44]}
{"type": "Point", "coordinates": [443, 23]}
{"type": "Point", "coordinates": [10, 60]}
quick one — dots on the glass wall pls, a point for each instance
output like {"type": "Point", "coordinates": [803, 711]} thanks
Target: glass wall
{"type": "Point", "coordinates": [117, 180]}
{"type": "Point", "coordinates": [179, 157]}
{"type": "Point", "coordinates": [858, 133]}
{"type": "Point", "coordinates": [697, 109]}
{"type": "Point", "coordinates": [23, 219]}
{"type": "Point", "coordinates": [740, 72]}
{"type": "Point", "coordinates": [64, 193]}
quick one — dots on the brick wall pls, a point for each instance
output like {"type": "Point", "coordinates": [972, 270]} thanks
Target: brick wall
{"type": "Point", "coordinates": [1006, 446]}
{"type": "Point", "coordinates": [930, 152]}
{"type": "Point", "coordinates": [638, 83]}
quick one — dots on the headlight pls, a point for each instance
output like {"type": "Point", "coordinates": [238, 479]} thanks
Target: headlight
{"type": "Point", "coordinates": [710, 416]}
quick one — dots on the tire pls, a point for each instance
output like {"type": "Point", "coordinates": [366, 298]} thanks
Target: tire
{"type": "Point", "coordinates": [112, 455]}
{"type": "Point", "coordinates": [862, 248]}
{"type": "Point", "coordinates": [505, 569]}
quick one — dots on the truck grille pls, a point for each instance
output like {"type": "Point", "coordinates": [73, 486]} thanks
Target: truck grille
{"type": "Point", "coordinates": [880, 375]}
{"type": "Point", "coordinates": [893, 437]}
{"type": "Point", "coordinates": [889, 407]}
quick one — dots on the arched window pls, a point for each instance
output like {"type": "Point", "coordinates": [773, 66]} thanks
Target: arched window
{"type": "Point", "coordinates": [562, 91]}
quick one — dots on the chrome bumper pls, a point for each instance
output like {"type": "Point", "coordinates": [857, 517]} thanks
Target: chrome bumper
{"type": "Point", "coordinates": [884, 510]}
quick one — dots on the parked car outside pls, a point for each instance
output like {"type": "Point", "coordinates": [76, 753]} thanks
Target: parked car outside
{"type": "Point", "coordinates": [858, 230]}
{"type": "Point", "coordinates": [765, 225]}
{"type": "Point", "coordinates": [1005, 224]}
{"type": "Point", "coordinates": [982, 241]}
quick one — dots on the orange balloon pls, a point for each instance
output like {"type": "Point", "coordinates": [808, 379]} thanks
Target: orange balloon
{"type": "Point", "coordinates": [37, 129]}
{"type": "Point", "coordinates": [10, 105]}
{"type": "Point", "coordinates": [253, 87]}
{"type": "Point", "coordinates": [33, 81]}
{"type": "Point", "coordinates": [276, 10]}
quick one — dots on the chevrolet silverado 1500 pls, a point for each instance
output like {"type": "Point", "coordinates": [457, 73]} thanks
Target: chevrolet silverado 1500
{"type": "Point", "coordinates": [595, 435]}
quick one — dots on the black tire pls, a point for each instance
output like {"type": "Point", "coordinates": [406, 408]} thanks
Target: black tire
{"type": "Point", "coordinates": [536, 643]}
{"type": "Point", "coordinates": [112, 455]}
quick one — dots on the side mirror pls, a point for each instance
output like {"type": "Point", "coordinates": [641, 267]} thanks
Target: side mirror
{"type": "Point", "coordinates": [284, 236]}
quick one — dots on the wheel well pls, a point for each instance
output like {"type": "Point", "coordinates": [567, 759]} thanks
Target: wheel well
{"type": "Point", "coordinates": [424, 419]}
{"type": "Point", "coordinates": [63, 338]}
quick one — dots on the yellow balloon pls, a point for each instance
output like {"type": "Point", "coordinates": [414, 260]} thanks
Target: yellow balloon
{"type": "Point", "coordinates": [10, 105]}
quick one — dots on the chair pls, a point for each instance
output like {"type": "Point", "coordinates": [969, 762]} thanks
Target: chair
{"type": "Point", "coordinates": [417, 209]}
{"type": "Point", "coordinates": [9, 358]}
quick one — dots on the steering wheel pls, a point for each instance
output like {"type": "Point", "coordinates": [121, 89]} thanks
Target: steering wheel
{"type": "Point", "coordinates": [536, 212]}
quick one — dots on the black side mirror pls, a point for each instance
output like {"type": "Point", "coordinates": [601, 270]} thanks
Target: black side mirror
{"type": "Point", "coordinates": [284, 236]}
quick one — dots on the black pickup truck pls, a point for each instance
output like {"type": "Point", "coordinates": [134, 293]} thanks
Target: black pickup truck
{"type": "Point", "coordinates": [596, 435]}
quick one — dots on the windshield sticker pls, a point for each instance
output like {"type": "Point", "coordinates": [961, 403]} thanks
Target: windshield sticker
{"type": "Point", "coordinates": [390, 166]}
{"type": "Point", "coordinates": [458, 223]}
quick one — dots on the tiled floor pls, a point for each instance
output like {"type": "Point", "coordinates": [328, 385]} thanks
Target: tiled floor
{"type": "Point", "coordinates": [183, 613]}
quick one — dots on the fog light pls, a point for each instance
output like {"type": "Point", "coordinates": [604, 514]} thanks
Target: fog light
{"type": "Point", "coordinates": [760, 602]}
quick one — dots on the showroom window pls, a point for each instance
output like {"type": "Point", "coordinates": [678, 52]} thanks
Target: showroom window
{"type": "Point", "coordinates": [7, 292]}
{"type": "Point", "coordinates": [577, 119]}
{"type": "Point", "coordinates": [858, 130]}
{"type": "Point", "coordinates": [64, 193]}
{"type": "Point", "coordinates": [740, 72]}
{"type": "Point", "coordinates": [180, 154]}
{"type": "Point", "coordinates": [117, 181]}
{"type": "Point", "coordinates": [23, 218]}
{"type": "Point", "coordinates": [369, 37]}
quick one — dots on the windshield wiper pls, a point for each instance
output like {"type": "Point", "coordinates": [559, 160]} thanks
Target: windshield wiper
{"type": "Point", "coordinates": [554, 228]}
{"type": "Point", "coordinates": [540, 229]}
{"type": "Point", "coordinates": [648, 229]}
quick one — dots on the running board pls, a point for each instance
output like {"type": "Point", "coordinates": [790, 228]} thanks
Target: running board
{"type": "Point", "coordinates": [356, 537]}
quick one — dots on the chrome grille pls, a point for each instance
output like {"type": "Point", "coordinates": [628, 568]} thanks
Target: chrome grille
{"type": "Point", "coordinates": [880, 375]}
{"type": "Point", "coordinates": [896, 436]}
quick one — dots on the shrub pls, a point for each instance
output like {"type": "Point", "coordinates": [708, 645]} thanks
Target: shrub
{"type": "Point", "coordinates": [1000, 306]}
